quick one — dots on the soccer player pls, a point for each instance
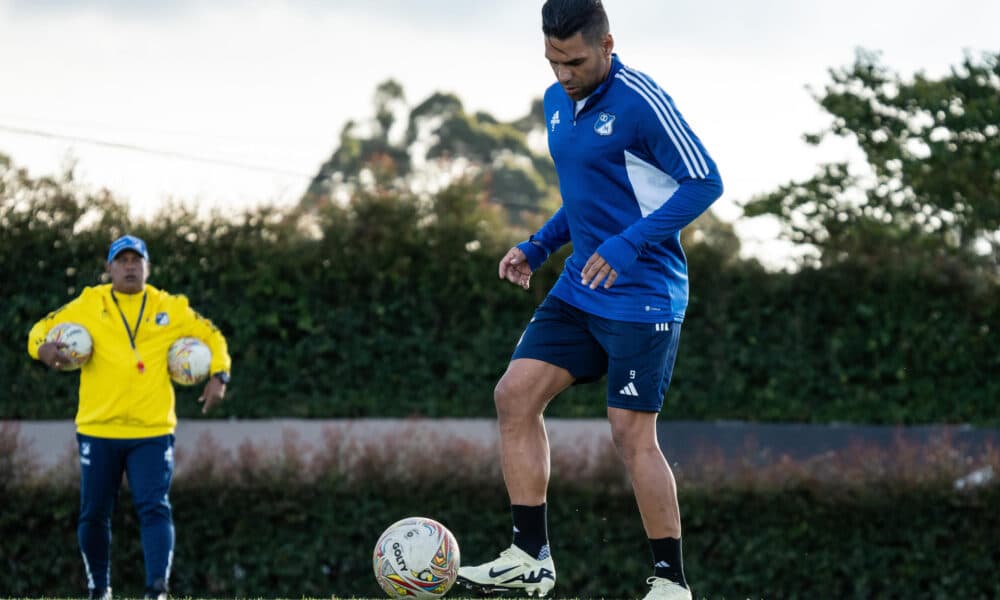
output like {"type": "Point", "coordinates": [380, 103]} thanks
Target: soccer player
{"type": "Point", "coordinates": [631, 175]}
{"type": "Point", "coordinates": [125, 419]}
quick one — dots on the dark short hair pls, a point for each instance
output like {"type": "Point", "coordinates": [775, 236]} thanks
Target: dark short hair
{"type": "Point", "coordinates": [562, 19]}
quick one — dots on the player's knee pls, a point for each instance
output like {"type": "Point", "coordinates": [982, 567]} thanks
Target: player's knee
{"type": "Point", "coordinates": [631, 443]}
{"type": "Point", "coordinates": [504, 397]}
{"type": "Point", "coordinates": [150, 510]}
{"type": "Point", "coordinates": [625, 447]}
{"type": "Point", "coordinates": [632, 451]}
{"type": "Point", "coordinates": [512, 403]}
{"type": "Point", "coordinates": [96, 512]}
{"type": "Point", "coordinates": [155, 517]}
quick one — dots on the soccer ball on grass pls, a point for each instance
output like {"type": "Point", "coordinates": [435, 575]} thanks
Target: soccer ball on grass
{"type": "Point", "coordinates": [416, 557]}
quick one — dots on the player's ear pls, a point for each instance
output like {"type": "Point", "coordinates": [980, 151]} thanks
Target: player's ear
{"type": "Point", "coordinates": [608, 44]}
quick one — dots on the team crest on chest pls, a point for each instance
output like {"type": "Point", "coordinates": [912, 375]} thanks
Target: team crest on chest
{"type": "Point", "coordinates": [605, 124]}
{"type": "Point", "coordinates": [162, 319]}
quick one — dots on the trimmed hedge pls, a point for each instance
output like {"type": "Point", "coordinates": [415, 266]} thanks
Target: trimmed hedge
{"type": "Point", "coordinates": [390, 306]}
{"type": "Point", "coordinates": [301, 520]}
{"type": "Point", "coordinates": [280, 539]}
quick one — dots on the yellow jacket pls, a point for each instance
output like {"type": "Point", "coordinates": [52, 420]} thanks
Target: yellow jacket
{"type": "Point", "coordinates": [116, 400]}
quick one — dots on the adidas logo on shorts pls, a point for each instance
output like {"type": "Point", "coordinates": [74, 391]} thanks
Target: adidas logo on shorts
{"type": "Point", "coordinates": [629, 390]}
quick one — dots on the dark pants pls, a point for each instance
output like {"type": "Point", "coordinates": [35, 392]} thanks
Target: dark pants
{"type": "Point", "coordinates": [149, 465]}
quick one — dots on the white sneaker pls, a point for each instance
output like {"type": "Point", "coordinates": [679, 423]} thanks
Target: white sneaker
{"type": "Point", "coordinates": [664, 589]}
{"type": "Point", "coordinates": [514, 570]}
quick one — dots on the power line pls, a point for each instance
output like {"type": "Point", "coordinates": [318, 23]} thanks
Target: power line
{"type": "Point", "coordinates": [152, 151]}
{"type": "Point", "coordinates": [108, 128]}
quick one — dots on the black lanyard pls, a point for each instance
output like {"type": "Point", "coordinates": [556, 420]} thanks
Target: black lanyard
{"type": "Point", "coordinates": [132, 334]}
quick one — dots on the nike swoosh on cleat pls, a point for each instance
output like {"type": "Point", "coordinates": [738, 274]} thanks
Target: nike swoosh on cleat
{"type": "Point", "coordinates": [486, 588]}
{"type": "Point", "coordinates": [498, 573]}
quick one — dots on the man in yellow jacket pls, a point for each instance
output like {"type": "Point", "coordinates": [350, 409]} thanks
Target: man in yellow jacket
{"type": "Point", "coordinates": [125, 420]}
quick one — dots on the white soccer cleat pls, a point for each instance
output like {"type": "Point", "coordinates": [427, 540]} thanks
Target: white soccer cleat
{"type": "Point", "coordinates": [664, 589]}
{"type": "Point", "coordinates": [514, 570]}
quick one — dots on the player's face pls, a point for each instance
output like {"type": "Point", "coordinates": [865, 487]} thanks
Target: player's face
{"type": "Point", "coordinates": [579, 65]}
{"type": "Point", "coordinates": [128, 272]}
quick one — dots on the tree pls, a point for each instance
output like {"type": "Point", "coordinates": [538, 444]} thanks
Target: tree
{"type": "Point", "coordinates": [442, 142]}
{"type": "Point", "coordinates": [366, 148]}
{"type": "Point", "coordinates": [933, 150]}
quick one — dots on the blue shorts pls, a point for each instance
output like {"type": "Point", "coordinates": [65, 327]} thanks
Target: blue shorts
{"type": "Point", "coordinates": [638, 358]}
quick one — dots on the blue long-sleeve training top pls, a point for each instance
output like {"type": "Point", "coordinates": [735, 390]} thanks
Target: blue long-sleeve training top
{"type": "Point", "coordinates": [631, 174]}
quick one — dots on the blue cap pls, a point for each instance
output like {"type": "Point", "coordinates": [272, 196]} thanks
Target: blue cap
{"type": "Point", "coordinates": [128, 242]}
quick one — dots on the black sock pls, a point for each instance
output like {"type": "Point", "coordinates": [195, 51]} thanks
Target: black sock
{"type": "Point", "coordinates": [667, 560]}
{"type": "Point", "coordinates": [530, 530]}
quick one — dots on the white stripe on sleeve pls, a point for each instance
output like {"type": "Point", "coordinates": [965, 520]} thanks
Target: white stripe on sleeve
{"type": "Point", "coordinates": [657, 100]}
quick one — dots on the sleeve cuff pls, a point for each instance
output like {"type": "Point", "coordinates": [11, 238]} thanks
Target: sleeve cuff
{"type": "Point", "coordinates": [618, 252]}
{"type": "Point", "coordinates": [535, 252]}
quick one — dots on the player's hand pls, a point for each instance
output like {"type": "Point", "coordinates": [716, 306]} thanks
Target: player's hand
{"type": "Point", "coordinates": [51, 353]}
{"type": "Point", "coordinates": [597, 270]}
{"type": "Point", "coordinates": [514, 268]}
{"type": "Point", "coordinates": [213, 393]}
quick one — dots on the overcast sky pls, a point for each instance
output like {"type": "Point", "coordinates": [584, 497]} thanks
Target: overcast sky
{"type": "Point", "coordinates": [261, 89]}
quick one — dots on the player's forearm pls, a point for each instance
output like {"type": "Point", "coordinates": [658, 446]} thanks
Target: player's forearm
{"type": "Point", "coordinates": [37, 338]}
{"type": "Point", "coordinates": [689, 201]}
{"type": "Point", "coordinates": [221, 362]}
{"type": "Point", "coordinates": [552, 236]}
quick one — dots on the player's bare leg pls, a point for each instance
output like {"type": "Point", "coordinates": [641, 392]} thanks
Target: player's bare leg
{"type": "Point", "coordinates": [521, 397]}
{"type": "Point", "coordinates": [634, 435]}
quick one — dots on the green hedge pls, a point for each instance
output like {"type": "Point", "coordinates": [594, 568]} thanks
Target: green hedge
{"type": "Point", "coordinates": [391, 306]}
{"type": "Point", "coordinates": [301, 521]}
{"type": "Point", "coordinates": [275, 539]}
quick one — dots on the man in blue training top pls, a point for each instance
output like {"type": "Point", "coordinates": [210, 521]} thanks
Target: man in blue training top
{"type": "Point", "coordinates": [631, 174]}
